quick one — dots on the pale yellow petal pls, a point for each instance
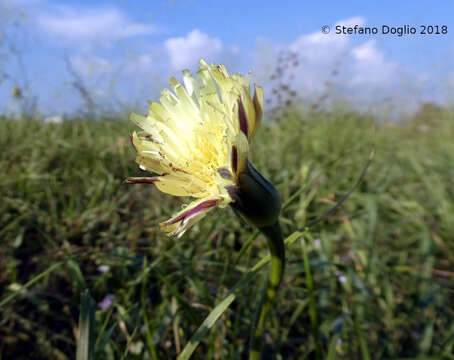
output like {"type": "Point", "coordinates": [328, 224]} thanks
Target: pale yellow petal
{"type": "Point", "coordinates": [191, 84]}
{"type": "Point", "coordinates": [178, 187]}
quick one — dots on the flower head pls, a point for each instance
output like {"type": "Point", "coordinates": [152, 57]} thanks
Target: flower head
{"type": "Point", "coordinates": [197, 140]}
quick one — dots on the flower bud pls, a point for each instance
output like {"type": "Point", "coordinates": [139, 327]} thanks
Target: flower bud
{"type": "Point", "coordinates": [256, 199]}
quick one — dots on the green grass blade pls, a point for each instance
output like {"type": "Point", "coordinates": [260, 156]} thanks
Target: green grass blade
{"type": "Point", "coordinates": [85, 342]}
{"type": "Point", "coordinates": [312, 304]}
{"type": "Point", "coordinates": [332, 347]}
{"type": "Point", "coordinates": [34, 280]}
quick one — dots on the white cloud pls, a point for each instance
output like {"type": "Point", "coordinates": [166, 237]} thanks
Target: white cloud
{"type": "Point", "coordinates": [370, 65]}
{"type": "Point", "coordinates": [319, 46]}
{"type": "Point", "coordinates": [367, 51]}
{"type": "Point", "coordinates": [357, 65]}
{"type": "Point", "coordinates": [320, 54]}
{"type": "Point", "coordinates": [187, 51]}
{"type": "Point", "coordinates": [90, 24]}
{"type": "Point", "coordinates": [351, 22]}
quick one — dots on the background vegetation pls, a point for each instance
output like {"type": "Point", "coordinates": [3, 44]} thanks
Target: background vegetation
{"type": "Point", "coordinates": [380, 275]}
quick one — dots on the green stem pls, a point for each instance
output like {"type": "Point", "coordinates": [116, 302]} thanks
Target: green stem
{"type": "Point", "coordinates": [277, 251]}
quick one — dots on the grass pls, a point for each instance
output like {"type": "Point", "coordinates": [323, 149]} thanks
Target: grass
{"type": "Point", "coordinates": [373, 281]}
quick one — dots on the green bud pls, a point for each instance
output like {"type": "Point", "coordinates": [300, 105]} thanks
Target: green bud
{"type": "Point", "coordinates": [256, 199]}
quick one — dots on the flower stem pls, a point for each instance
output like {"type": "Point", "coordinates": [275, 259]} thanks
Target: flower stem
{"type": "Point", "coordinates": [276, 246]}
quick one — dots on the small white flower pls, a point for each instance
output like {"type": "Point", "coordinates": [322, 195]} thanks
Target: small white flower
{"type": "Point", "coordinates": [341, 277]}
{"type": "Point", "coordinates": [103, 268]}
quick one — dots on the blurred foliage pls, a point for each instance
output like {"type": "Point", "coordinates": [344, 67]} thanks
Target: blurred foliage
{"type": "Point", "coordinates": [381, 266]}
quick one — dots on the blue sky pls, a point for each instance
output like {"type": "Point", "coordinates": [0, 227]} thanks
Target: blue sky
{"type": "Point", "coordinates": [124, 51]}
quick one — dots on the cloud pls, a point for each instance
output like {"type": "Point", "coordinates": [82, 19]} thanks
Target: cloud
{"type": "Point", "coordinates": [90, 24]}
{"type": "Point", "coordinates": [319, 55]}
{"type": "Point", "coordinates": [187, 51]}
{"type": "Point", "coordinates": [320, 46]}
{"type": "Point", "coordinates": [371, 67]}
{"type": "Point", "coordinates": [358, 64]}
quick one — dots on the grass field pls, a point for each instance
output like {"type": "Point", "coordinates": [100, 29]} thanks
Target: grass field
{"type": "Point", "coordinates": [373, 281]}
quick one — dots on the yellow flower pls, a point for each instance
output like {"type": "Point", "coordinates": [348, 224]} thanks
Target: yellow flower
{"type": "Point", "coordinates": [197, 140]}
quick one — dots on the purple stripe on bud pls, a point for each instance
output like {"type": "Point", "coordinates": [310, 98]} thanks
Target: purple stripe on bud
{"type": "Point", "coordinates": [243, 119]}
{"type": "Point", "coordinates": [225, 173]}
{"type": "Point", "coordinates": [190, 213]}
{"type": "Point", "coordinates": [234, 159]}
